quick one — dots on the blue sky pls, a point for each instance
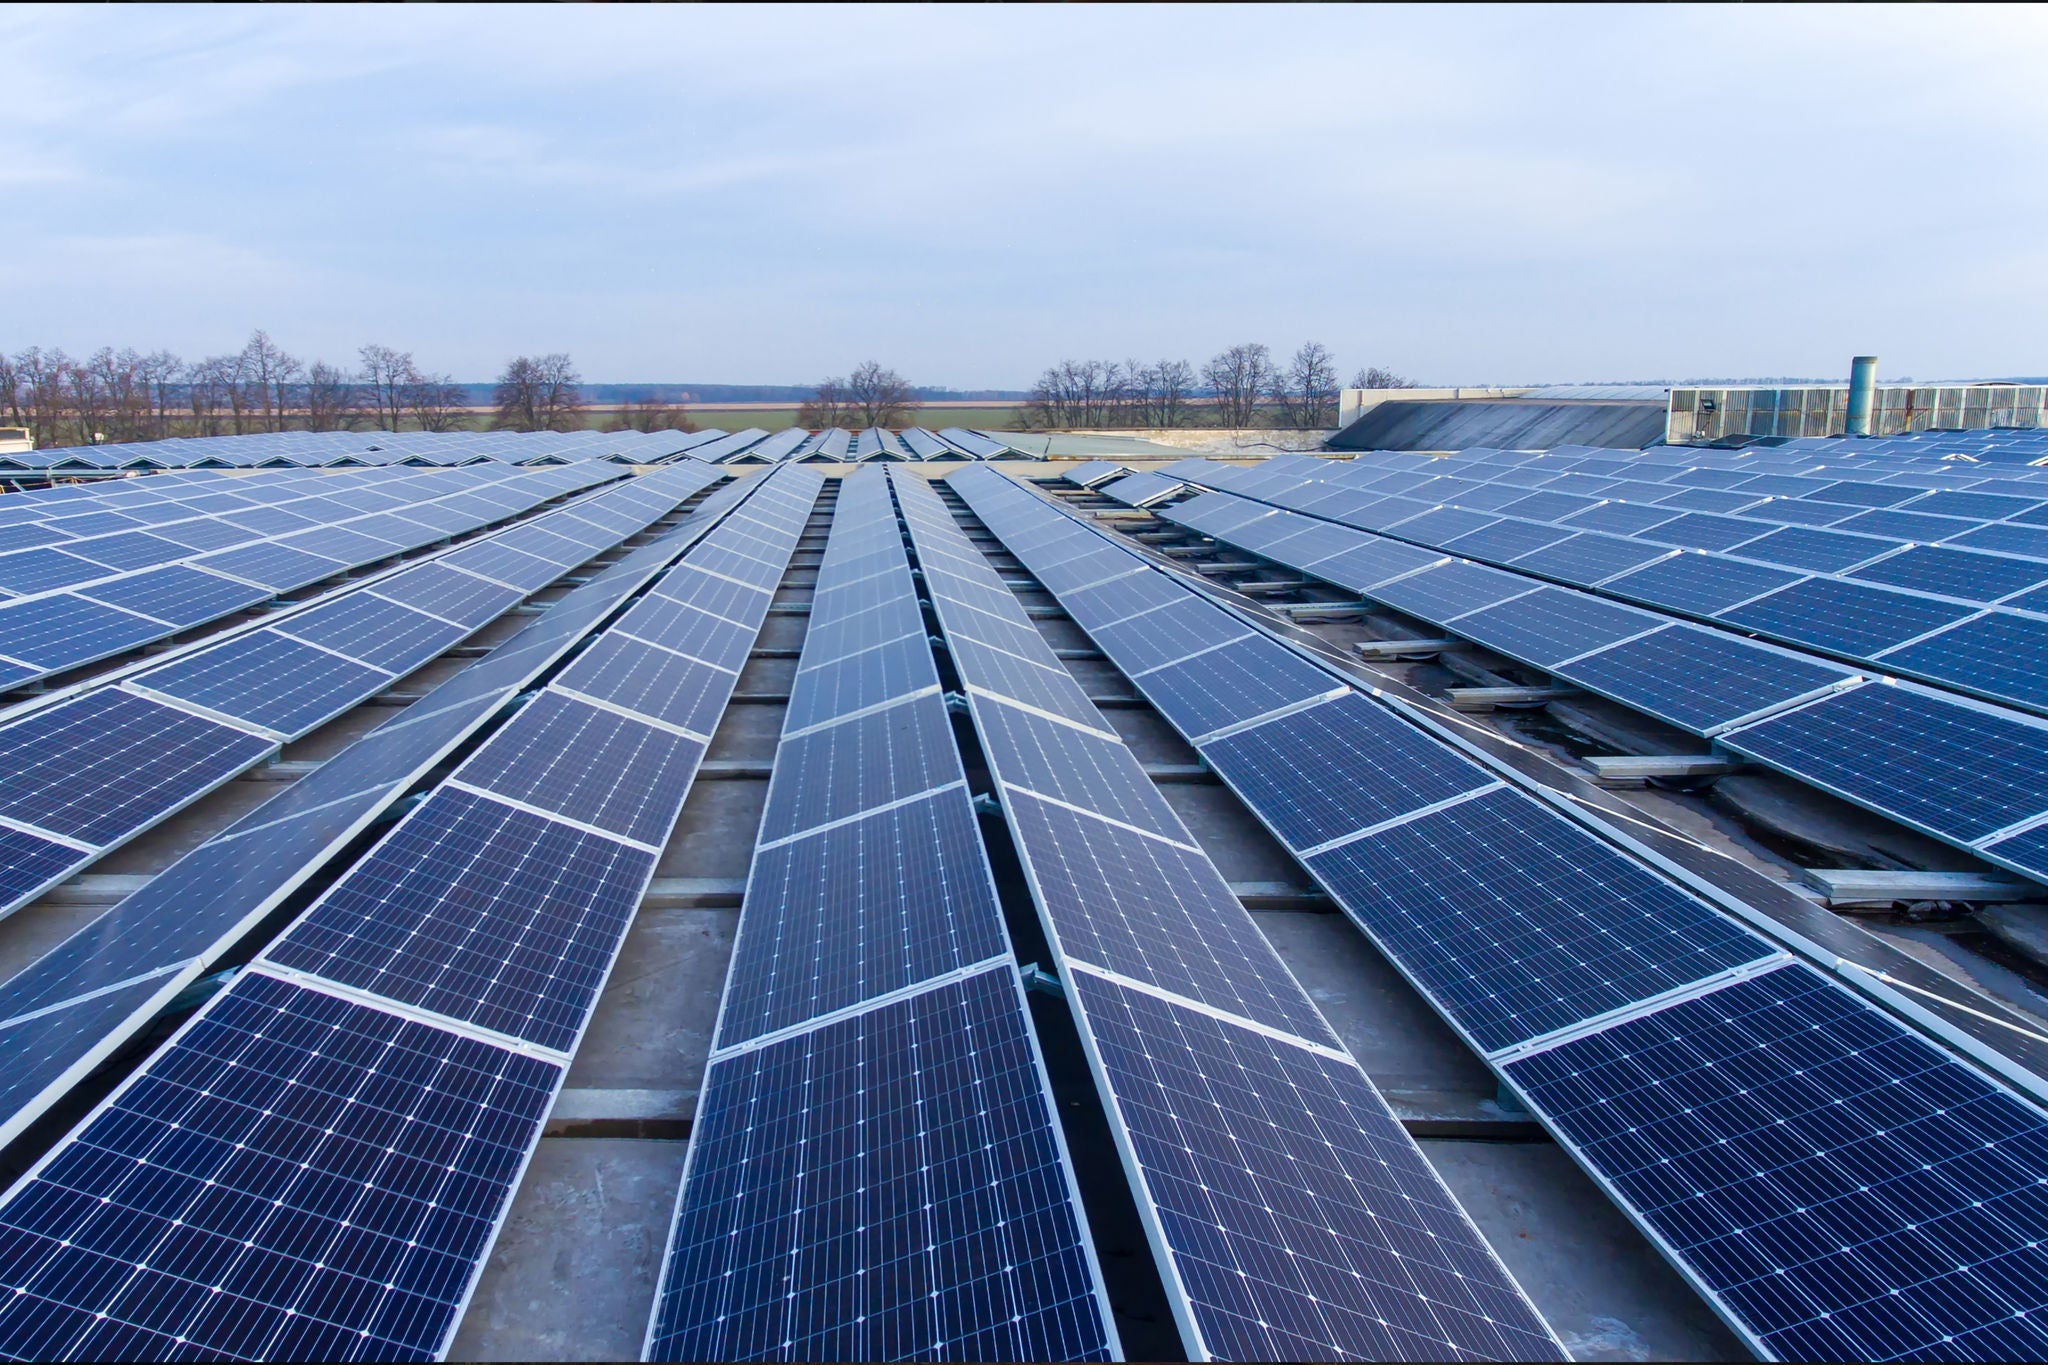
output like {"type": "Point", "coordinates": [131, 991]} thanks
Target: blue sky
{"type": "Point", "coordinates": [725, 194]}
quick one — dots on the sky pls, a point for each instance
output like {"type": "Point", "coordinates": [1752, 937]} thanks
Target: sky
{"type": "Point", "coordinates": [734, 195]}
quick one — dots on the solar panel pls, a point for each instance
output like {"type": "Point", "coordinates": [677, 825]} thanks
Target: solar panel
{"type": "Point", "coordinates": [62, 630]}
{"type": "Point", "coordinates": [1622, 518]}
{"type": "Point", "coordinates": [1843, 617]}
{"type": "Point", "coordinates": [276, 567]}
{"type": "Point", "coordinates": [1698, 679]}
{"type": "Point", "coordinates": [1999, 654]}
{"type": "Point", "coordinates": [132, 550]}
{"type": "Point", "coordinates": [1233, 683]}
{"type": "Point", "coordinates": [104, 765]}
{"type": "Point", "coordinates": [177, 595]}
{"type": "Point", "coordinates": [1701, 584]}
{"type": "Point", "coordinates": [2007, 538]}
{"type": "Point", "coordinates": [1971, 575]}
{"type": "Point", "coordinates": [859, 765]}
{"type": "Point", "coordinates": [1589, 557]}
{"type": "Point", "coordinates": [1123, 596]}
{"type": "Point", "coordinates": [1505, 540]}
{"type": "Point", "coordinates": [1335, 768]}
{"type": "Point", "coordinates": [1906, 525]}
{"type": "Point", "coordinates": [1963, 772]}
{"type": "Point", "coordinates": [268, 679]}
{"type": "Point", "coordinates": [1519, 922]}
{"type": "Point", "coordinates": [1303, 1223]}
{"type": "Point", "coordinates": [1845, 1190]}
{"type": "Point", "coordinates": [296, 1177]}
{"type": "Point", "coordinates": [809, 1228]}
{"type": "Point", "coordinates": [1450, 590]}
{"type": "Point", "coordinates": [592, 766]}
{"type": "Point", "coordinates": [1551, 625]}
{"type": "Point", "coordinates": [1801, 547]}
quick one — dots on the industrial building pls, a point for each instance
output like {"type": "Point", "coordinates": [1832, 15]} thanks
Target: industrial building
{"type": "Point", "coordinates": [875, 895]}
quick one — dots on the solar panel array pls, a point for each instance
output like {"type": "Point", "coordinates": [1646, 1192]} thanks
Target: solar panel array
{"type": "Point", "coordinates": [1838, 1186]}
{"type": "Point", "coordinates": [876, 1171]}
{"type": "Point", "coordinates": [1977, 773]}
{"type": "Point", "coordinates": [85, 774]}
{"type": "Point", "coordinates": [1292, 1215]}
{"type": "Point", "coordinates": [116, 568]}
{"type": "Point", "coordinates": [71, 1007]}
{"type": "Point", "coordinates": [317, 1165]}
{"type": "Point", "coordinates": [348, 449]}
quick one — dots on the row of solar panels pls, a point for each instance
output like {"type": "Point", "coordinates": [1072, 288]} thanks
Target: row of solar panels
{"type": "Point", "coordinates": [872, 978]}
{"type": "Point", "coordinates": [84, 773]}
{"type": "Point", "coordinates": [1970, 774]}
{"type": "Point", "coordinates": [93, 576]}
{"type": "Point", "coordinates": [87, 996]}
{"type": "Point", "coordinates": [1997, 445]}
{"type": "Point", "coordinates": [1839, 1187]}
{"type": "Point", "coordinates": [317, 1164]}
{"type": "Point", "coordinates": [341, 450]}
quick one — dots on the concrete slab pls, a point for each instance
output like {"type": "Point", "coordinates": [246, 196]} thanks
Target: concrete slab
{"type": "Point", "coordinates": [1594, 1278]}
{"type": "Point", "coordinates": [1240, 848]}
{"type": "Point", "coordinates": [715, 836]}
{"type": "Point", "coordinates": [573, 1274]}
{"type": "Point", "coordinates": [653, 1024]}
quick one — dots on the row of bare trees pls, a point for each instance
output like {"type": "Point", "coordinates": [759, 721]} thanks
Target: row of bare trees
{"type": "Point", "coordinates": [1243, 386]}
{"type": "Point", "coordinates": [124, 395]}
{"type": "Point", "coordinates": [872, 396]}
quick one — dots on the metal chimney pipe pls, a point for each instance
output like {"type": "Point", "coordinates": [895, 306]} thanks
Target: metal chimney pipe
{"type": "Point", "coordinates": [1862, 391]}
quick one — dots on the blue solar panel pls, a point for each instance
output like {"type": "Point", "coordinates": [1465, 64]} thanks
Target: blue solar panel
{"type": "Point", "coordinates": [375, 630]}
{"type": "Point", "coordinates": [1802, 547]}
{"type": "Point", "coordinates": [1548, 506]}
{"type": "Point", "coordinates": [1699, 583]}
{"type": "Point", "coordinates": [1367, 565]}
{"type": "Point", "coordinates": [41, 570]}
{"type": "Point", "coordinates": [1699, 679]}
{"type": "Point", "coordinates": [269, 680]}
{"type": "Point", "coordinates": [1450, 590]}
{"type": "Point", "coordinates": [1550, 625]}
{"type": "Point", "coordinates": [1589, 557]}
{"type": "Point", "coordinates": [1158, 913]}
{"type": "Point", "coordinates": [651, 681]}
{"type": "Point", "coordinates": [1999, 654]}
{"type": "Point", "coordinates": [1118, 598]}
{"type": "Point", "coordinates": [28, 864]}
{"type": "Point", "coordinates": [107, 763]}
{"type": "Point", "coordinates": [479, 912]}
{"type": "Point", "coordinates": [1232, 684]}
{"type": "Point", "coordinates": [27, 536]}
{"type": "Point", "coordinates": [206, 533]}
{"type": "Point", "coordinates": [1706, 500]}
{"type": "Point", "coordinates": [1302, 1222]}
{"type": "Point", "coordinates": [1503, 541]}
{"type": "Point", "coordinates": [1847, 618]}
{"type": "Point", "coordinates": [61, 630]}
{"type": "Point", "coordinates": [859, 911]}
{"type": "Point", "coordinates": [1800, 512]}
{"type": "Point", "coordinates": [1171, 632]}
{"type": "Point", "coordinates": [1959, 770]}
{"type": "Point", "coordinates": [1868, 494]}
{"type": "Point", "coordinates": [1085, 770]}
{"type": "Point", "coordinates": [1970, 575]}
{"type": "Point", "coordinates": [800, 1146]}
{"type": "Point", "coordinates": [1519, 922]}
{"type": "Point", "coordinates": [1845, 1190]}
{"type": "Point", "coordinates": [272, 566]}
{"type": "Point", "coordinates": [678, 625]}
{"type": "Point", "coordinates": [2006, 538]}
{"type": "Point", "coordinates": [1982, 506]}
{"type": "Point", "coordinates": [1445, 523]}
{"type": "Point", "coordinates": [177, 595]}
{"type": "Point", "coordinates": [589, 765]}
{"type": "Point", "coordinates": [860, 764]}
{"type": "Point", "coordinates": [1905, 525]}
{"type": "Point", "coordinates": [297, 1177]}
{"type": "Point", "coordinates": [1622, 518]}
{"type": "Point", "coordinates": [132, 550]}
{"type": "Point", "coordinates": [1319, 774]}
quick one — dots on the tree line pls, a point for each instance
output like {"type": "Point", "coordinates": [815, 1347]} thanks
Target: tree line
{"type": "Point", "coordinates": [1243, 386]}
{"type": "Point", "coordinates": [125, 395]}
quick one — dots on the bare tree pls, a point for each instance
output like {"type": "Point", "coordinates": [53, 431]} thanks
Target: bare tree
{"type": "Point", "coordinates": [878, 397]}
{"type": "Point", "coordinates": [538, 393]}
{"type": "Point", "coordinates": [271, 375]}
{"type": "Point", "coordinates": [330, 398]}
{"type": "Point", "coordinates": [1307, 393]}
{"type": "Point", "coordinates": [1374, 377]}
{"type": "Point", "coordinates": [1240, 377]}
{"type": "Point", "coordinates": [826, 407]}
{"type": "Point", "coordinates": [436, 402]}
{"type": "Point", "coordinates": [1086, 393]}
{"type": "Point", "coordinates": [160, 372]}
{"type": "Point", "coordinates": [38, 398]}
{"type": "Point", "coordinates": [386, 374]}
{"type": "Point", "coordinates": [1171, 384]}
{"type": "Point", "coordinates": [651, 415]}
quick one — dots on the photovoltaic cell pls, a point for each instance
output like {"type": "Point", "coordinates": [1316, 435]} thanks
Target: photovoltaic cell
{"type": "Point", "coordinates": [840, 771]}
{"type": "Point", "coordinates": [1919, 757]}
{"type": "Point", "coordinates": [177, 595]}
{"type": "Point", "coordinates": [107, 763]}
{"type": "Point", "coordinates": [61, 629]}
{"type": "Point", "coordinates": [1519, 922]}
{"type": "Point", "coordinates": [1171, 632]}
{"type": "Point", "coordinates": [814, 1227]}
{"type": "Point", "coordinates": [480, 912]}
{"type": "Point", "coordinates": [1971, 575]}
{"type": "Point", "coordinates": [1080, 769]}
{"type": "Point", "coordinates": [1233, 683]}
{"type": "Point", "coordinates": [1847, 618]}
{"type": "Point", "coordinates": [1157, 913]}
{"type": "Point", "coordinates": [1802, 547]}
{"type": "Point", "coordinates": [1450, 590]}
{"type": "Point", "coordinates": [270, 680]}
{"type": "Point", "coordinates": [1302, 1222]}
{"type": "Point", "coordinates": [651, 681]}
{"type": "Point", "coordinates": [859, 911]}
{"type": "Point", "coordinates": [1589, 557]}
{"type": "Point", "coordinates": [28, 863]}
{"type": "Point", "coordinates": [297, 1177]}
{"type": "Point", "coordinates": [1845, 1189]}
{"type": "Point", "coordinates": [1550, 625]}
{"type": "Point", "coordinates": [2000, 654]}
{"type": "Point", "coordinates": [1319, 774]}
{"type": "Point", "coordinates": [379, 632]}
{"type": "Point", "coordinates": [590, 765]}
{"type": "Point", "coordinates": [1699, 679]}
{"type": "Point", "coordinates": [1698, 583]}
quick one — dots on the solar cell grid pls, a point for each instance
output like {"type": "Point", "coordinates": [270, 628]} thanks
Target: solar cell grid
{"type": "Point", "coordinates": [593, 766]}
{"type": "Point", "coordinates": [1589, 557]}
{"type": "Point", "coordinates": [1450, 590]}
{"type": "Point", "coordinates": [477, 911]}
{"type": "Point", "coordinates": [860, 765]}
{"type": "Point", "coordinates": [1156, 913]}
{"type": "Point", "coordinates": [1518, 922]}
{"type": "Point", "coordinates": [42, 570]}
{"type": "Point", "coordinates": [1846, 1190]}
{"type": "Point", "coordinates": [809, 1228]}
{"type": "Point", "coordinates": [1232, 684]}
{"type": "Point", "coordinates": [1969, 772]}
{"type": "Point", "coordinates": [295, 1177]}
{"type": "Point", "coordinates": [1337, 767]}
{"type": "Point", "coordinates": [1846, 618]}
{"type": "Point", "coordinates": [1550, 625]}
{"type": "Point", "coordinates": [62, 630]}
{"type": "Point", "coordinates": [1998, 654]}
{"type": "Point", "coordinates": [1802, 547]}
{"type": "Point", "coordinates": [2007, 538]}
{"type": "Point", "coordinates": [1084, 770]}
{"type": "Point", "coordinates": [859, 911]}
{"type": "Point", "coordinates": [1302, 1223]}
{"type": "Point", "coordinates": [269, 680]}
